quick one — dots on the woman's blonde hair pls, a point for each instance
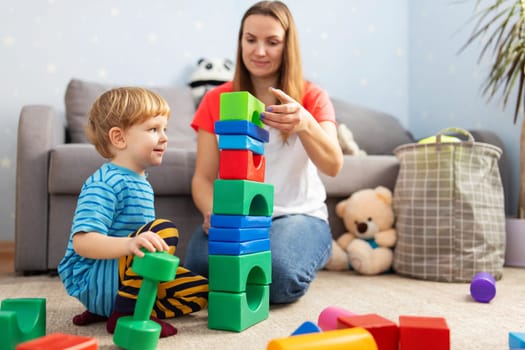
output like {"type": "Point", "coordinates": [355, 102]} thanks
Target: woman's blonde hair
{"type": "Point", "coordinates": [290, 78]}
{"type": "Point", "coordinates": [121, 107]}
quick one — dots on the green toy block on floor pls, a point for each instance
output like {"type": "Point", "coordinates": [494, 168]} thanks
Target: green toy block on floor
{"type": "Point", "coordinates": [139, 332]}
{"type": "Point", "coordinates": [242, 197]}
{"type": "Point", "coordinates": [238, 311]}
{"type": "Point", "coordinates": [232, 273]}
{"type": "Point", "coordinates": [241, 105]}
{"type": "Point", "coordinates": [21, 319]}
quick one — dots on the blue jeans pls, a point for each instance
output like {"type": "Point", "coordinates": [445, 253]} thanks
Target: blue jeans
{"type": "Point", "coordinates": [300, 245]}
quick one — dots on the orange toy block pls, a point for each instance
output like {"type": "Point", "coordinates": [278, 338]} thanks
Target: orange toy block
{"type": "Point", "coordinates": [429, 333]}
{"type": "Point", "coordinates": [384, 331]}
{"type": "Point", "coordinates": [356, 338]}
{"type": "Point", "coordinates": [60, 341]}
{"type": "Point", "coordinates": [241, 165]}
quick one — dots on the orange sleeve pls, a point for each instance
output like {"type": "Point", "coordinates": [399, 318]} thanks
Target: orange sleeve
{"type": "Point", "coordinates": [208, 111]}
{"type": "Point", "coordinates": [318, 103]}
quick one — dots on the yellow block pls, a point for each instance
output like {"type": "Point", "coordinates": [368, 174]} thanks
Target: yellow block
{"type": "Point", "coordinates": [356, 338]}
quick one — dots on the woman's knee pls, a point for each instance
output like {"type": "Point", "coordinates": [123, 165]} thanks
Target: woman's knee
{"type": "Point", "coordinates": [288, 284]}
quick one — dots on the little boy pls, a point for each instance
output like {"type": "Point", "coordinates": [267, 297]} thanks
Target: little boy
{"type": "Point", "coordinates": [115, 216]}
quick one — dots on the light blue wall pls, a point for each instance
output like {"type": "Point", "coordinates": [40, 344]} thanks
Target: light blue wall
{"type": "Point", "coordinates": [396, 56]}
{"type": "Point", "coordinates": [445, 84]}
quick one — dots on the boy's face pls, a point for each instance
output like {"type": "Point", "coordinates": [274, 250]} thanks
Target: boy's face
{"type": "Point", "coordinates": [145, 144]}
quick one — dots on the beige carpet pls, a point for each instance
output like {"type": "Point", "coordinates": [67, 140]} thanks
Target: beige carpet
{"type": "Point", "coordinates": [473, 325]}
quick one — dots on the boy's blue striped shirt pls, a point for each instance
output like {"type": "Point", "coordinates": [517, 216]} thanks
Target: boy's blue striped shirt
{"type": "Point", "coordinates": [114, 201]}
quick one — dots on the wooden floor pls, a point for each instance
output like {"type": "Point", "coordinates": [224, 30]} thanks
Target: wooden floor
{"type": "Point", "coordinates": [7, 257]}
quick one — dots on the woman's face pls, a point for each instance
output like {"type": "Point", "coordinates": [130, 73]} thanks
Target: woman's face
{"type": "Point", "coordinates": [262, 45]}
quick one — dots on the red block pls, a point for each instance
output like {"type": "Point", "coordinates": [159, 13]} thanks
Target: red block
{"type": "Point", "coordinates": [60, 341]}
{"type": "Point", "coordinates": [429, 333]}
{"type": "Point", "coordinates": [241, 165]}
{"type": "Point", "coordinates": [384, 331]}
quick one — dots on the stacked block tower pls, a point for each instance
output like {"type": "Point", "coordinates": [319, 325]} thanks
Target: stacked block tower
{"type": "Point", "coordinates": [239, 236]}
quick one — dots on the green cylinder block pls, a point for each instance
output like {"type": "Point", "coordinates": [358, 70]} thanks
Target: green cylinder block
{"type": "Point", "coordinates": [138, 332]}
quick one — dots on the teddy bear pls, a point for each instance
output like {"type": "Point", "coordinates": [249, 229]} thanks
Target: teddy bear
{"type": "Point", "coordinates": [347, 142]}
{"type": "Point", "coordinates": [367, 246]}
{"type": "Point", "coordinates": [210, 72]}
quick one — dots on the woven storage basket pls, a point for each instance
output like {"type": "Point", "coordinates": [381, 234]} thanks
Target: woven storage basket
{"type": "Point", "coordinates": [449, 207]}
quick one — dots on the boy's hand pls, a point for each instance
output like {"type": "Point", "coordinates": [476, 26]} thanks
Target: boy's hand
{"type": "Point", "coordinates": [151, 241]}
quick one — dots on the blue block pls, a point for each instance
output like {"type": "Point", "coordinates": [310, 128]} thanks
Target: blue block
{"type": "Point", "coordinates": [241, 127]}
{"type": "Point", "coordinates": [241, 142]}
{"type": "Point", "coordinates": [516, 340]}
{"type": "Point", "coordinates": [233, 234]}
{"type": "Point", "coordinates": [218, 220]}
{"type": "Point", "coordinates": [306, 328]}
{"type": "Point", "coordinates": [238, 248]}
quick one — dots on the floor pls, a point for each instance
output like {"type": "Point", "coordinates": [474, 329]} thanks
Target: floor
{"type": "Point", "coordinates": [7, 257]}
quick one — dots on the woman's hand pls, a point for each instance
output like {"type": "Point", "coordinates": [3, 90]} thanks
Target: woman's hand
{"type": "Point", "coordinates": [319, 139]}
{"type": "Point", "coordinates": [206, 224]}
{"type": "Point", "coordinates": [289, 116]}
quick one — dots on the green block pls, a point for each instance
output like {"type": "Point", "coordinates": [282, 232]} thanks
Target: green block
{"type": "Point", "coordinates": [156, 266]}
{"type": "Point", "coordinates": [242, 197]}
{"type": "Point", "coordinates": [241, 105]}
{"type": "Point", "coordinates": [233, 273]}
{"type": "Point", "coordinates": [21, 319]}
{"type": "Point", "coordinates": [132, 334]}
{"type": "Point", "coordinates": [238, 311]}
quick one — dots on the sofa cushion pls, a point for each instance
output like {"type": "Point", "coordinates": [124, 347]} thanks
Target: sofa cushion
{"type": "Point", "coordinates": [375, 132]}
{"type": "Point", "coordinates": [81, 94]}
{"type": "Point", "coordinates": [362, 172]}
{"type": "Point", "coordinates": [71, 164]}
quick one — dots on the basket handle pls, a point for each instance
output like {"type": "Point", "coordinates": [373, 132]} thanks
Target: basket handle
{"type": "Point", "coordinates": [455, 130]}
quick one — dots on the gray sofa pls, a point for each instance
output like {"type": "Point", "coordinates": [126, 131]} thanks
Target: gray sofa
{"type": "Point", "coordinates": [54, 159]}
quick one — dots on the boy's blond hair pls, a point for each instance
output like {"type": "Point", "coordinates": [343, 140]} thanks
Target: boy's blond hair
{"type": "Point", "coordinates": [121, 107]}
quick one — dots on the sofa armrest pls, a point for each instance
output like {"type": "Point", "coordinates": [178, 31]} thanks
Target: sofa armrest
{"type": "Point", "coordinates": [39, 130]}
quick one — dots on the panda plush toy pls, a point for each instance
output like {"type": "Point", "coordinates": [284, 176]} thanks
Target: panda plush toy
{"type": "Point", "coordinates": [210, 72]}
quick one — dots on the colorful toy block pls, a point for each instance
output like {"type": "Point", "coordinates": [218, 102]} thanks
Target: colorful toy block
{"type": "Point", "coordinates": [21, 319]}
{"type": "Point", "coordinates": [239, 221]}
{"type": "Point", "coordinates": [238, 311]}
{"type": "Point", "coordinates": [238, 234]}
{"type": "Point", "coordinates": [341, 339]}
{"type": "Point", "coordinates": [139, 332]}
{"type": "Point", "coordinates": [60, 341]}
{"type": "Point", "coordinates": [238, 248]}
{"type": "Point", "coordinates": [429, 333]}
{"type": "Point", "coordinates": [251, 197]}
{"type": "Point", "coordinates": [384, 331]}
{"type": "Point", "coordinates": [483, 287]}
{"type": "Point", "coordinates": [327, 319]}
{"type": "Point", "coordinates": [241, 105]}
{"type": "Point", "coordinates": [242, 270]}
{"type": "Point", "coordinates": [241, 165]}
{"type": "Point", "coordinates": [516, 340]}
{"type": "Point", "coordinates": [307, 328]}
{"type": "Point", "coordinates": [241, 142]}
{"type": "Point", "coordinates": [238, 239]}
{"type": "Point", "coordinates": [241, 127]}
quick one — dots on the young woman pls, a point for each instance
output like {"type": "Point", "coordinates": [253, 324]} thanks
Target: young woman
{"type": "Point", "coordinates": [303, 140]}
